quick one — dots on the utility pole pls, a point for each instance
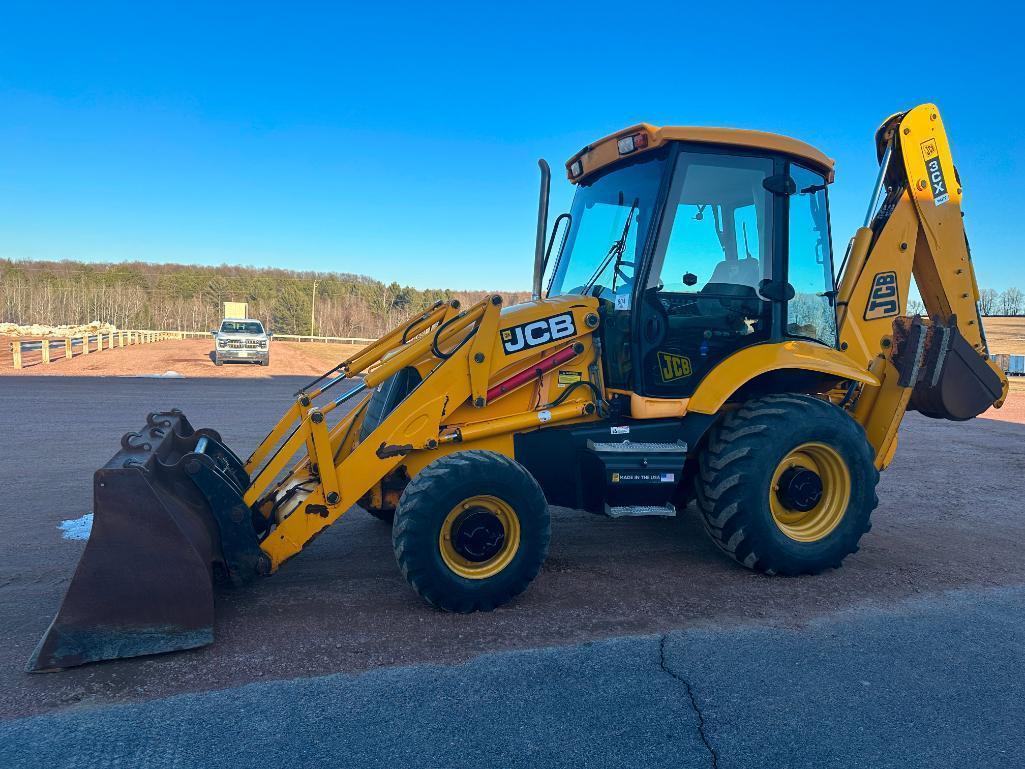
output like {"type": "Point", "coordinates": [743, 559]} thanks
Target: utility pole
{"type": "Point", "coordinates": [313, 307]}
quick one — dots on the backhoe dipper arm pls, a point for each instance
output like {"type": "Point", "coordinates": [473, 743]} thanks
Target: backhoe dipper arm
{"type": "Point", "coordinates": [939, 366]}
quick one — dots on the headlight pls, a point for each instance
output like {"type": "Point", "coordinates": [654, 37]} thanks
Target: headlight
{"type": "Point", "coordinates": [263, 345]}
{"type": "Point", "coordinates": [632, 142]}
{"type": "Point", "coordinates": [222, 343]}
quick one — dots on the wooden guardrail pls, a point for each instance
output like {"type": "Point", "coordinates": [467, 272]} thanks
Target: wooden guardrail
{"type": "Point", "coordinates": [29, 351]}
{"type": "Point", "coordinates": [289, 337]}
{"type": "Point", "coordinates": [329, 339]}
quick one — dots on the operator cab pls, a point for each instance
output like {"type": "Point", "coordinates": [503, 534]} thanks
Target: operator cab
{"type": "Point", "coordinates": [698, 242]}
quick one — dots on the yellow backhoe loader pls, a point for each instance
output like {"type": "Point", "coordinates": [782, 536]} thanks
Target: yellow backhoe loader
{"type": "Point", "coordinates": [693, 340]}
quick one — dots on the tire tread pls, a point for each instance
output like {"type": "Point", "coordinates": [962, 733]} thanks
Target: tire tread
{"type": "Point", "coordinates": [734, 445]}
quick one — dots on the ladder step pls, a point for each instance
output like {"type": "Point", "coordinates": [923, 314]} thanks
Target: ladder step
{"type": "Point", "coordinates": [629, 447]}
{"type": "Point", "coordinates": [641, 511]}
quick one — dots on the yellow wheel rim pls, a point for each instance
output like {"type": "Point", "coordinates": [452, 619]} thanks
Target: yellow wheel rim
{"type": "Point", "coordinates": [797, 510]}
{"type": "Point", "coordinates": [479, 537]}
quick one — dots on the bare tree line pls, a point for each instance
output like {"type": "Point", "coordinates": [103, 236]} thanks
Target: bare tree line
{"type": "Point", "coordinates": [171, 297]}
{"type": "Point", "coordinates": [177, 297]}
{"type": "Point", "coordinates": [991, 302]}
{"type": "Point", "coordinates": [1008, 302]}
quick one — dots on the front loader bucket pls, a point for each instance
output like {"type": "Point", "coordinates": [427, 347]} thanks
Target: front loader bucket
{"type": "Point", "coordinates": [167, 511]}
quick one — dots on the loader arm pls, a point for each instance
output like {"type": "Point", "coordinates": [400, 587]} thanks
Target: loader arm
{"type": "Point", "coordinates": [466, 369]}
{"type": "Point", "coordinates": [939, 366]}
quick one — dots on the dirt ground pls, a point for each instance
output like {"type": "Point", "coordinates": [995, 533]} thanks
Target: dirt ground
{"type": "Point", "coordinates": [951, 516]}
{"type": "Point", "coordinates": [190, 358]}
{"type": "Point", "coordinates": [1006, 335]}
{"type": "Point", "coordinates": [1013, 409]}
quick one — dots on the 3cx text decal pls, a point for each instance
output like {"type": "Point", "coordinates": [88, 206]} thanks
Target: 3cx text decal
{"type": "Point", "coordinates": [883, 301]}
{"type": "Point", "coordinates": [672, 367]}
{"type": "Point", "coordinates": [934, 171]}
{"type": "Point", "coordinates": [537, 332]}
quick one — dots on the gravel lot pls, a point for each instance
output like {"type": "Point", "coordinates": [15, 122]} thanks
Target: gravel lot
{"type": "Point", "coordinates": [950, 517]}
{"type": "Point", "coordinates": [188, 357]}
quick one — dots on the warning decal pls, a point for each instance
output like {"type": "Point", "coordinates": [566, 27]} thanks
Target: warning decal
{"type": "Point", "coordinates": [568, 378]}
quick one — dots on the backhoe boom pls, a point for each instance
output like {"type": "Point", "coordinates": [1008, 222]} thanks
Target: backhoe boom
{"type": "Point", "coordinates": [939, 366]}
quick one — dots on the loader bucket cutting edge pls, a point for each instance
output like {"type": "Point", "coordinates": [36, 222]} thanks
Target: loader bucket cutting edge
{"type": "Point", "coordinates": [144, 582]}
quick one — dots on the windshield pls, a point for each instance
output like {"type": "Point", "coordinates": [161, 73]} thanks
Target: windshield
{"type": "Point", "coordinates": [241, 327]}
{"type": "Point", "coordinates": [611, 217]}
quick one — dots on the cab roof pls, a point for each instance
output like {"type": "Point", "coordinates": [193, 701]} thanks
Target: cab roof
{"type": "Point", "coordinates": [645, 137]}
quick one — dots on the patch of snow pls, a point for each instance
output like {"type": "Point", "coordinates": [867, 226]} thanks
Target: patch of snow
{"type": "Point", "coordinates": [165, 375]}
{"type": "Point", "coordinates": [78, 528]}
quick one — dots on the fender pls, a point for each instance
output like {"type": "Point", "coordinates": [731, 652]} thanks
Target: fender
{"type": "Point", "coordinates": [750, 362]}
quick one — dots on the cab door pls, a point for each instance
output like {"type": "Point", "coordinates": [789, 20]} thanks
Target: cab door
{"type": "Point", "coordinates": [700, 298]}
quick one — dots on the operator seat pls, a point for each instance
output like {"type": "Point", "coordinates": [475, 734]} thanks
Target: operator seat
{"type": "Point", "coordinates": [729, 296]}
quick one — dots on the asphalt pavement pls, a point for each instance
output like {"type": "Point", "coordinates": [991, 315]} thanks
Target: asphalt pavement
{"type": "Point", "coordinates": [929, 683]}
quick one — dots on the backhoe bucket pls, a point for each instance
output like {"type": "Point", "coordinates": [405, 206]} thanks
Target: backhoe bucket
{"type": "Point", "coordinates": [167, 512]}
{"type": "Point", "coordinates": [951, 380]}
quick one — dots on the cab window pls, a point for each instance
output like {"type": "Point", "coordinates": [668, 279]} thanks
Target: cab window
{"type": "Point", "coordinates": [810, 314]}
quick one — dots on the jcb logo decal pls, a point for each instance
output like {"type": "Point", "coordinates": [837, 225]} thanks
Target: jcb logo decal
{"type": "Point", "coordinates": [538, 332]}
{"type": "Point", "coordinates": [883, 302]}
{"type": "Point", "coordinates": [673, 367]}
{"type": "Point", "coordinates": [934, 172]}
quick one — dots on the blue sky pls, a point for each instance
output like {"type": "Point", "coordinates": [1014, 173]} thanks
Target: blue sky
{"type": "Point", "coordinates": [401, 142]}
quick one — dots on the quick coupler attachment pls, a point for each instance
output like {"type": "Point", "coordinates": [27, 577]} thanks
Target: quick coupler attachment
{"type": "Point", "coordinates": [168, 514]}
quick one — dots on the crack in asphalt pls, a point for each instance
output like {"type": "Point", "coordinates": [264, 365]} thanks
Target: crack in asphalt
{"type": "Point", "coordinates": [712, 753]}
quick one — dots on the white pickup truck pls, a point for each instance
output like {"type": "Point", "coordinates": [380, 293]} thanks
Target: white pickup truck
{"type": "Point", "coordinates": [242, 339]}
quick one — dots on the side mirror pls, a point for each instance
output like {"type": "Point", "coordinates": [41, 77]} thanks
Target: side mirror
{"type": "Point", "coordinates": [213, 333]}
{"type": "Point", "coordinates": [690, 279]}
{"type": "Point", "coordinates": [776, 290]}
{"type": "Point", "coordinates": [270, 334]}
{"type": "Point", "coordinates": [780, 184]}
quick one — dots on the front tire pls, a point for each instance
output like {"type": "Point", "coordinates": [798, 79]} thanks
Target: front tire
{"type": "Point", "coordinates": [787, 485]}
{"type": "Point", "coordinates": [471, 531]}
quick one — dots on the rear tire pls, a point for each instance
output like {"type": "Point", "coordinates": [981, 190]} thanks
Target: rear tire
{"type": "Point", "coordinates": [471, 531]}
{"type": "Point", "coordinates": [787, 485]}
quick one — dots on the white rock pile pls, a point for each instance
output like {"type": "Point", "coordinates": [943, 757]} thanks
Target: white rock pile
{"type": "Point", "coordinates": [38, 329]}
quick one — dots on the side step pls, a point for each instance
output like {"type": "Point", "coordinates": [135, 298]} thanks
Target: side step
{"type": "Point", "coordinates": [628, 447]}
{"type": "Point", "coordinates": [641, 511]}
{"type": "Point", "coordinates": [637, 479]}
